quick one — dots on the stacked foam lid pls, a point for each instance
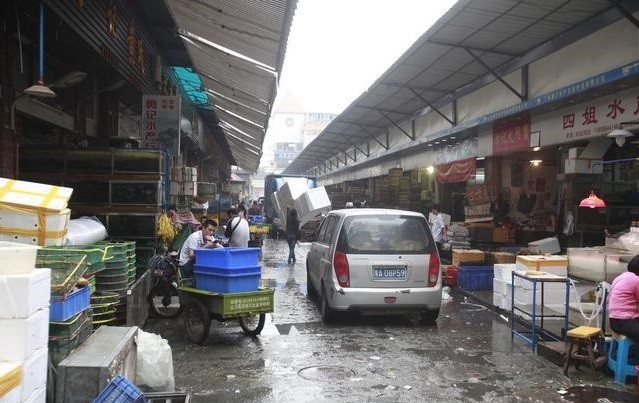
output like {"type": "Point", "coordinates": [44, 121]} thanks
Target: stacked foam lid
{"type": "Point", "coordinates": [24, 324]}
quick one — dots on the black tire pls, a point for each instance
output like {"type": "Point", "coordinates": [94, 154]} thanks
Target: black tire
{"type": "Point", "coordinates": [164, 301]}
{"type": "Point", "coordinates": [430, 316]}
{"type": "Point", "coordinates": [328, 314]}
{"type": "Point", "coordinates": [252, 325]}
{"type": "Point", "coordinates": [311, 292]}
{"type": "Point", "coordinates": [197, 321]}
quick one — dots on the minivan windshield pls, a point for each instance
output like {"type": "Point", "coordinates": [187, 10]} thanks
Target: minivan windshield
{"type": "Point", "coordinates": [385, 234]}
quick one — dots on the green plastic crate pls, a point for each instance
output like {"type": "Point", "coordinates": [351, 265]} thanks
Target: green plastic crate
{"type": "Point", "coordinates": [67, 328]}
{"type": "Point", "coordinates": [65, 272]}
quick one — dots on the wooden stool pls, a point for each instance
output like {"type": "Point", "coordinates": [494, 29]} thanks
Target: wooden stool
{"type": "Point", "coordinates": [583, 338]}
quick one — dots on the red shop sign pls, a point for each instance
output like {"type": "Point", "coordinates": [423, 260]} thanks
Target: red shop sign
{"type": "Point", "coordinates": [511, 136]}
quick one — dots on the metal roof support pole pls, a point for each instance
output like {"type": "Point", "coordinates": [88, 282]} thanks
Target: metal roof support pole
{"type": "Point", "coordinates": [625, 12]}
{"type": "Point", "coordinates": [384, 146]}
{"type": "Point", "coordinates": [424, 100]}
{"type": "Point", "coordinates": [454, 107]}
{"type": "Point", "coordinates": [347, 156]}
{"type": "Point", "coordinates": [497, 76]}
{"type": "Point", "coordinates": [524, 81]}
{"type": "Point", "coordinates": [410, 136]}
{"type": "Point", "coordinates": [353, 144]}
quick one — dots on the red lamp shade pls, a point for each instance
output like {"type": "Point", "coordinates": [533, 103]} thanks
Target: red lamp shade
{"type": "Point", "coordinates": [592, 201]}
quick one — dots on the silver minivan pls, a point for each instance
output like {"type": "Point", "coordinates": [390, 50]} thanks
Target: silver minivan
{"type": "Point", "coordinates": [375, 261]}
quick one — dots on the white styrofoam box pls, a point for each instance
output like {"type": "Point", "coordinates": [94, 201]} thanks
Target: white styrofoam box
{"type": "Point", "coordinates": [497, 299]}
{"type": "Point", "coordinates": [311, 203]}
{"type": "Point", "coordinates": [19, 338]}
{"type": "Point", "coordinates": [291, 190]}
{"type": "Point", "coordinates": [506, 302]}
{"type": "Point", "coordinates": [503, 271]}
{"type": "Point", "coordinates": [500, 286]}
{"type": "Point", "coordinates": [29, 228]}
{"type": "Point", "coordinates": [34, 195]}
{"type": "Point", "coordinates": [17, 258]}
{"type": "Point", "coordinates": [573, 152]}
{"type": "Point", "coordinates": [525, 296]}
{"type": "Point", "coordinates": [13, 396]}
{"type": "Point", "coordinates": [21, 295]}
{"type": "Point", "coordinates": [546, 245]}
{"type": "Point", "coordinates": [38, 396]}
{"type": "Point", "coordinates": [34, 373]}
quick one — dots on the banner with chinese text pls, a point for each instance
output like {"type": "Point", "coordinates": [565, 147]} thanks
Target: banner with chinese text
{"type": "Point", "coordinates": [511, 136]}
{"type": "Point", "coordinates": [161, 122]}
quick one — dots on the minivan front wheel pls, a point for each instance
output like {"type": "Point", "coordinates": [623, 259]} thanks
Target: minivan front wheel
{"type": "Point", "coordinates": [430, 316]}
{"type": "Point", "coordinates": [328, 314]}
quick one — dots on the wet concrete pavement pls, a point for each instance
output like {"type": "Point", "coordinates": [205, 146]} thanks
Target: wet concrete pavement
{"type": "Point", "coordinates": [466, 356]}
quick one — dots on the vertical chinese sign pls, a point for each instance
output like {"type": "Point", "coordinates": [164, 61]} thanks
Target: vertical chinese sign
{"type": "Point", "coordinates": [161, 122]}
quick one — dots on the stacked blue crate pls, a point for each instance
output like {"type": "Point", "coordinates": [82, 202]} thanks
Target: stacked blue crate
{"type": "Point", "coordinates": [227, 270]}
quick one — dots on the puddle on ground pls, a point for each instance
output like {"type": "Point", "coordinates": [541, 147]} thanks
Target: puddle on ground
{"type": "Point", "coordinates": [326, 373]}
{"type": "Point", "coordinates": [598, 394]}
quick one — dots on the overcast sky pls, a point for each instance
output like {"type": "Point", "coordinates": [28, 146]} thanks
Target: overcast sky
{"type": "Point", "coordinates": [337, 48]}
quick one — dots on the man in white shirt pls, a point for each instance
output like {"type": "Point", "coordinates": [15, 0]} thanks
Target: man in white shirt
{"type": "Point", "coordinates": [438, 226]}
{"type": "Point", "coordinates": [237, 230]}
{"type": "Point", "coordinates": [199, 239]}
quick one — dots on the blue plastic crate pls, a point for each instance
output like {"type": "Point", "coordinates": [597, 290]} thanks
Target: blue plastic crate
{"type": "Point", "coordinates": [62, 309]}
{"type": "Point", "coordinates": [227, 257]}
{"type": "Point", "coordinates": [120, 390]}
{"type": "Point", "coordinates": [475, 277]}
{"type": "Point", "coordinates": [227, 283]}
{"type": "Point", "coordinates": [228, 270]}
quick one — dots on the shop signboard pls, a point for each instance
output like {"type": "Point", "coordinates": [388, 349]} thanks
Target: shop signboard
{"type": "Point", "coordinates": [595, 118]}
{"type": "Point", "coordinates": [161, 122]}
{"type": "Point", "coordinates": [466, 149]}
{"type": "Point", "coordinates": [511, 136]}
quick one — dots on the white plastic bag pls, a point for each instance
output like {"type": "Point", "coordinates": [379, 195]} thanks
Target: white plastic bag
{"type": "Point", "coordinates": [85, 231]}
{"type": "Point", "coordinates": [154, 368]}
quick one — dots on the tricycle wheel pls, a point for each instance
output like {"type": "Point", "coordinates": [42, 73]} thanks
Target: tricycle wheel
{"type": "Point", "coordinates": [252, 325]}
{"type": "Point", "coordinates": [197, 321]}
{"type": "Point", "coordinates": [164, 301]}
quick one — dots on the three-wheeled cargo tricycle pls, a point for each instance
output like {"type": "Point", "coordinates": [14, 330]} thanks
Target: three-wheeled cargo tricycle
{"type": "Point", "coordinates": [200, 307]}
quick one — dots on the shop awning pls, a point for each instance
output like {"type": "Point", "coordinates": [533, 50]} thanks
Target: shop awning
{"type": "Point", "coordinates": [472, 44]}
{"type": "Point", "coordinates": [237, 49]}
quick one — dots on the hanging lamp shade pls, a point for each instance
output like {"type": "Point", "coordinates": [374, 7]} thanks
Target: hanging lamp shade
{"type": "Point", "coordinates": [40, 89]}
{"type": "Point", "coordinates": [592, 201]}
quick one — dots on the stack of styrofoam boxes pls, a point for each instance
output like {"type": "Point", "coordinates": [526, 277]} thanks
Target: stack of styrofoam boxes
{"type": "Point", "coordinates": [190, 181]}
{"type": "Point", "coordinates": [24, 319]}
{"type": "Point", "coordinates": [503, 284]}
{"type": "Point", "coordinates": [312, 203]}
{"type": "Point", "coordinates": [183, 181]}
{"type": "Point", "coordinates": [285, 197]}
{"type": "Point", "coordinates": [554, 292]}
{"type": "Point", "coordinates": [33, 213]}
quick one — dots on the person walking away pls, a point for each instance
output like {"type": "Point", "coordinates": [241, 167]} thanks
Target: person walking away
{"type": "Point", "coordinates": [292, 233]}
{"type": "Point", "coordinates": [438, 227]}
{"type": "Point", "coordinates": [242, 211]}
{"type": "Point", "coordinates": [255, 209]}
{"type": "Point", "coordinates": [623, 302]}
{"type": "Point", "coordinates": [198, 239]}
{"type": "Point", "coordinates": [237, 229]}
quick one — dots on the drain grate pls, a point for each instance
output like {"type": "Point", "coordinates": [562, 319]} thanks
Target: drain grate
{"type": "Point", "coordinates": [326, 372]}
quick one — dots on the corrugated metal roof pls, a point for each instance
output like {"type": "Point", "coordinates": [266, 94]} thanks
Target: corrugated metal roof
{"type": "Point", "coordinates": [237, 48]}
{"type": "Point", "coordinates": [453, 56]}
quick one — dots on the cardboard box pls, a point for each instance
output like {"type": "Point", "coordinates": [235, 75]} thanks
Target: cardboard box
{"type": "Point", "coordinates": [467, 256]}
{"type": "Point", "coordinates": [557, 265]}
{"type": "Point", "coordinates": [501, 235]}
{"type": "Point", "coordinates": [502, 257]}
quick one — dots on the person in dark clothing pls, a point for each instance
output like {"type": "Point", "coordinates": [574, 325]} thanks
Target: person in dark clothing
{"type": "Point", "coordinates": [292, 233]}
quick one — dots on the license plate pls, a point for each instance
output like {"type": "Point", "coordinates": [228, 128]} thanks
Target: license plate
{"type": "Point", "coordinates": [389, 273]}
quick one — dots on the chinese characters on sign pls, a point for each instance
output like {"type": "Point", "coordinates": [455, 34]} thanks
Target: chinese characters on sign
{"type": "Point", "coordinates": [246, 304]}
{"type": "Point", "coordinates": [600, 117]}
{"type": "Point", "coordinates": [511, 136]}
{"type": "Point", "coordinates": [160, 121]}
